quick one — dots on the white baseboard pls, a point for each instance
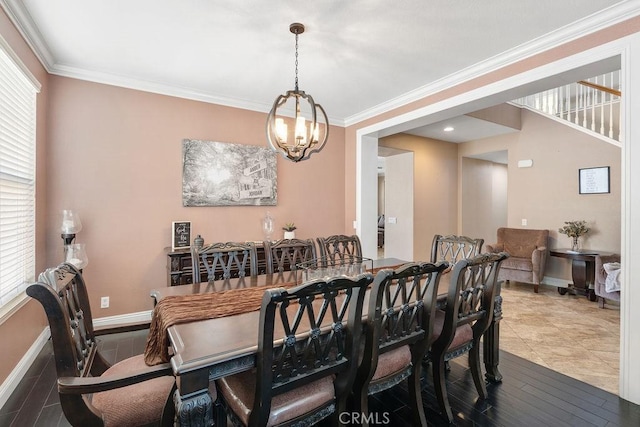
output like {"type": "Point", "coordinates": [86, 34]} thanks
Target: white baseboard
{"type": "Point", "coordinates": [9, 385]}
{"type": "Point", "coordinates": [141, 316]}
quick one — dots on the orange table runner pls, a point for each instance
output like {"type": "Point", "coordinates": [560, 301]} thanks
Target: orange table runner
{"type": "Point", "coordinates": [173, 310]}
{"type": "Point", "coordinates": [176, 309]}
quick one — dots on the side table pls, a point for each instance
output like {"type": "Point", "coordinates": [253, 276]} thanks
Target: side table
{"type": "Point", "coordinates": [583, 268]}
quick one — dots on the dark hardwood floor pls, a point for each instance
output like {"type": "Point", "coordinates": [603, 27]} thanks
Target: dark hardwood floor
{"type": "Point", "coordinates": [529, 395]}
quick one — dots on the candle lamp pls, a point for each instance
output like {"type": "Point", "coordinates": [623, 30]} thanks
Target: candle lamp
{"type": "Point", "coordinates": [76, 254]}
{"type": "Point", "coordinates": [71, 225]}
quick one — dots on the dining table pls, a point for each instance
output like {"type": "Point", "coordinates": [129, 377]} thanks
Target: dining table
{"type": "Point", "coordinates": [201, 351]}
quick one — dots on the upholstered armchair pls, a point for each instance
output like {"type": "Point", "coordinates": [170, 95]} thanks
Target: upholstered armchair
{"type": "Point", "coordinates": [601, 279]}
{"type": "Point", "coordinates": [528, 250]}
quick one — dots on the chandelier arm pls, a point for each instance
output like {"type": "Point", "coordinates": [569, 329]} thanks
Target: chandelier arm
{"type": "Point", "coordinates": [307, 152]}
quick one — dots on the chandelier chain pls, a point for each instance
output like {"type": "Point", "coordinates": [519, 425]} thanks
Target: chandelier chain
{"type": "Point", "coordinates": [296, 62]}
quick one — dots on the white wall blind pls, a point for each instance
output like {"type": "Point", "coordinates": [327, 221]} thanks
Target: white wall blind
{"type": "Point", "coordinates": [17, 179]}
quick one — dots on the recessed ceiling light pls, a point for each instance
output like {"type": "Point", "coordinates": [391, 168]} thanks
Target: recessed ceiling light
{"type": "Point", "coordinates": [448, 129]}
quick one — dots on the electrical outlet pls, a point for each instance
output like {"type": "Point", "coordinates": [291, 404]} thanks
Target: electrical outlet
{"type": "Point", "coordinates": [104, 302]}
{"type": "Point", "coordinates": [524, 221]}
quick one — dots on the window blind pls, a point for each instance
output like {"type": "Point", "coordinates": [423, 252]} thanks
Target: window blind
{"type": "Point", "coordinates": [17, 179]}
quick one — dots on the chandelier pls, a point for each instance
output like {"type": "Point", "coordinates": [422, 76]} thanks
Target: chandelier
{"type": "Point", "coordinates": [296, 138]}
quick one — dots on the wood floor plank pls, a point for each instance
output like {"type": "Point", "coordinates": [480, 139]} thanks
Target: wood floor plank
{"type": "Point", "coordinates": [49, 416]}
{"type": "Point", "coordinates": [529, 395]}
{"type": "Point", "coordinates": [7, 418]}
{"type": "Point", "coordinates": [590, 401]}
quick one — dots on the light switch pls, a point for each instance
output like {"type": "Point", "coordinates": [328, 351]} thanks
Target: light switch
{"type": "Point", "coordinates": [393, 220]}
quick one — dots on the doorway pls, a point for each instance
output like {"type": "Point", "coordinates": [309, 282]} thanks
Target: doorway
{"type": "Point", "coordinates": [484, 194]}
{"type": "Point", "coordinates": [395, 203]}
{"type": "Point", "coordinates": [511, 88]}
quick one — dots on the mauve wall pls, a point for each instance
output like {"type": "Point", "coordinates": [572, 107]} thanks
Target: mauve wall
{"type": "Point", "coordinates": [546, 194]}
{"type": "Point", "coordinates": [115, 157]}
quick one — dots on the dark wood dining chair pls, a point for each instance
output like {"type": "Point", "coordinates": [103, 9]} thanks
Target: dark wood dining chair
{"type": "Point", "coordinates": [459, 325]}
{"type": "Point", "coordinates": [93, 392]}
{"type": "Point", "coordinates": [452, 248]}
{"type": "Point", "coordinates": [307, 355]}
{"type": "Point", "coordinates": [397, 334]}
{"type": "Point", "coordinates": [339, 249]}
{"type": "Point", "coordinates": [224, 261]}
{"type": "Point", "coordinates": [286, 254]}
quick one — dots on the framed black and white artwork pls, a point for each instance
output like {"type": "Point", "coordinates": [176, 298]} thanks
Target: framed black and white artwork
{"type": "Point", "coordinates": [226, 174]}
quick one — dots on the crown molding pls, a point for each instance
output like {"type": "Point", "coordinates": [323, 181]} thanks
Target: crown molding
{"type": "Point", "coordinates": [613, 15]}
{"type": "Point", "coordinates": [22, 20]}
{"type": "Point", "coordinates": [154, 87]}
{"type": "Point", "coordinates": [169, 90]}
{"type": "Point", "coordinates": [606, 18]}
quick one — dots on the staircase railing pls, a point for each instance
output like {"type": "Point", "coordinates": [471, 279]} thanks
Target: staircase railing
{"type": "Point", "coordinates": [592, 104]}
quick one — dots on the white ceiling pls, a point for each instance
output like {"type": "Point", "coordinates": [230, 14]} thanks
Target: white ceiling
{"type": "Point", "coordinates": [356, 57]}
{"type": "Point", "coordinates": [465, 128]}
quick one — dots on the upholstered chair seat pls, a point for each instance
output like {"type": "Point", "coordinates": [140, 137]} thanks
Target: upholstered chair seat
{"type": "Point", "coordinates": [239, 390]}
{"type": "Point", "coordinates": [521, 264]}
{"type": "Point", "coordinates": [391, 363]}
{"type": "Point", "coordinates": [135, 405]}
{"type": "Point", "coordinates": [463, 334]}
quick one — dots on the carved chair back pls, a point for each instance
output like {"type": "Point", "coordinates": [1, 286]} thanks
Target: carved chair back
{"type": "Point", "coordinates": [453, 248]}
{"type": "Point", "coordinates": [471, 296]}
{"type": "Point", "coordinates": [339, 249]}
{"type": "Point", "coordinates": [63, 295]}
{"type": "Point", "coordinates": [285, 254]}
{"type": "Point", "coordinates": [401, 307]}
{"type": "Point", "coordinates": [224, 261]}
{"type": "Point", "coordinates": [307, 333]}
{"type": "Point", "coordinates": [459, 325]}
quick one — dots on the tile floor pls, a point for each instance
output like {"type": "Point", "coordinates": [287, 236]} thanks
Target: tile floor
{"type": "Point", "coordinates": [566, 333]}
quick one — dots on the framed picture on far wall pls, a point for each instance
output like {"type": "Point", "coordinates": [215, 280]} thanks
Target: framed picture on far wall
{"type": "Point", "coordinates": [180, 235]}
{"type": "Point", "coordinates": [594, 180]}
{"type": "Point", "coordinates": [226, 174]}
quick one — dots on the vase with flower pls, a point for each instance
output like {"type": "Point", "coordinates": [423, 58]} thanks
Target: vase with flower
{"type": "Point", "coordinates": [574, 229]}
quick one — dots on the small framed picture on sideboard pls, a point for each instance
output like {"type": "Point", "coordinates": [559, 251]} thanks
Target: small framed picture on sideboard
{"type": "Point", "coordinates": [180, 235]}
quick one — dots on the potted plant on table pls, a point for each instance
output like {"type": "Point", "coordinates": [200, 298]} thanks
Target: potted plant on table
{"type": "Point", "coordinates": [574, 229]}
{"type": "Point", "coordinates": [289, 230]}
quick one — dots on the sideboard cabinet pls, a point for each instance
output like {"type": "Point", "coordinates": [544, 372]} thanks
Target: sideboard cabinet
{"type": "Point", "coordinates": [179, 269]}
